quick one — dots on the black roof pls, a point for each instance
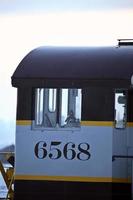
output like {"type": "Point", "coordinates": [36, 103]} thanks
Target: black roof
{"type": "Point", "coordinates": [72, 64]}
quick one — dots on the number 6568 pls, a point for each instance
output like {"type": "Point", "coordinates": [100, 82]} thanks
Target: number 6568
{"type": "Point", "coordinates": [69, 151]}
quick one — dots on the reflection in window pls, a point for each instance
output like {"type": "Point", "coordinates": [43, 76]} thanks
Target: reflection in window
{"type": "Point", "coordinates": [71, 108]}
{"type": "Point", "coordinates": [39, 106]}
{"type": "Point", "coordinates": [120, 109]}
{"type": "Point", "coordinates": [52, 100]}
{"type": "Point", "coordinates": [78, 105]}
{"type": "Point", "coordinates": [58, 107]}
{"type": "Point", "coordinates": [64, 106]}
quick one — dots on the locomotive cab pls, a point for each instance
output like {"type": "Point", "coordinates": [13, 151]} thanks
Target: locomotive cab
{"type": "Point", "coordinates": [74, 123]}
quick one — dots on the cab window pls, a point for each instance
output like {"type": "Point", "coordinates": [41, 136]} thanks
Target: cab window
{"type": "Point", "coordinates": [57, 107]}
{"type": "Point", "coordinates": [120, 109]}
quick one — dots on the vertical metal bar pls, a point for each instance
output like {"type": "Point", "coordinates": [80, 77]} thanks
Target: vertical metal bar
{"type": "Point", "coordinates": [58, 106]}
{"type": "Point", "coordinates": [132, 179]}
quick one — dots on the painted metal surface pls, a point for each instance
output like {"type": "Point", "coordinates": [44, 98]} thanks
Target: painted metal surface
{"type": "Point", "coordinates": [96, 161]}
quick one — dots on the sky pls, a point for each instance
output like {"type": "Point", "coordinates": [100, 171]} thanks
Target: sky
{"type": "Point", "coordinates": [27, 24]}
{"type": "Point", "coordinates": [24, 6]}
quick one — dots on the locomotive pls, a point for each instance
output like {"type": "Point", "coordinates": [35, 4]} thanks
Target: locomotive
{"type": "Point", "coordinates": [74, 123]}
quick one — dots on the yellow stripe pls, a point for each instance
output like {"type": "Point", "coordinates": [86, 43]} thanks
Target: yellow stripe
{"type": "Point", "coordinates": [72, 178]}
{"type": "Point", "coordinates": [23, 122]}
{"type": "Point", "coordinates": [97, 123]}
{"type": "Point", "coordinates": [129, 124]}
{"type": "Point", "coordinates": [121, 180]}
{"type": "Point", "coordinates": [83, 123]}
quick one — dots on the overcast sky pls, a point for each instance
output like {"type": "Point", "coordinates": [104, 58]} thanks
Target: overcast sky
{"type": "Point", "coordinates": [27, 24]}
{"type": "Point", "coordinates": [17, 6]}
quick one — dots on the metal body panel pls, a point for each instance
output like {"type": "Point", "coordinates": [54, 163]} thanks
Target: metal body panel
{"type": "Point", "coordinates": [123, 147]}
{"type": "Point", "coordinates": [98, 165]}
{"type": "Point", "coordinates": [59, 64]}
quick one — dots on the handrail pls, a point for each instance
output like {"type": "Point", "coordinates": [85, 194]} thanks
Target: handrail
{"type": "Point", "coordinates": [125, 42]}
{"type": "Point", "coordinates": [121, 156]}
{"type": "Point", "coordinates": [7, 152]}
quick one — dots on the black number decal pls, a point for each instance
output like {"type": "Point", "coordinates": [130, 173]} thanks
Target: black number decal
{"type": "Point", "coordinates": [69, 152]}
{"type": "Point", "coordinates": [83, 151]}
{"type": "Point", "coordinates": [56, 152]}
{"type": "Point", "coordinates": [40, 150]}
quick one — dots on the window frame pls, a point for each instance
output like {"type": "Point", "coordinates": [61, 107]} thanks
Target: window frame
{"type": "Point", "coordinates": [58, 124]}
{"type": "Point", "coordinates": [120, 91]}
